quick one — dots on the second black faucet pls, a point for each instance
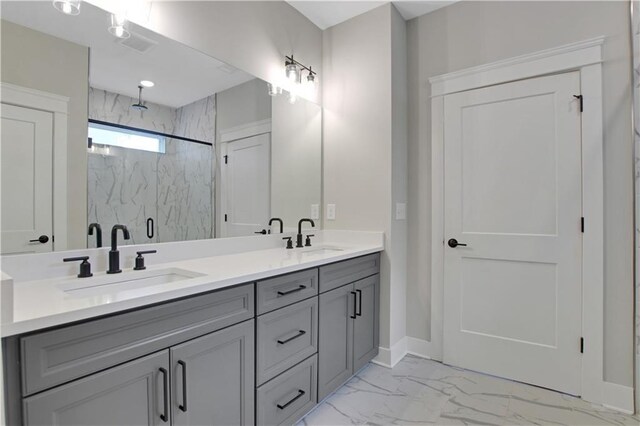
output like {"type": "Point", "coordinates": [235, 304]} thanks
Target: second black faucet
{"type": "Point", "coordinates": [299, 236]}
{"type": "Point", "coordinates": [114, 254]}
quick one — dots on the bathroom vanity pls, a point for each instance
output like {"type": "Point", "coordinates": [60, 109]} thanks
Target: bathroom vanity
{"type": "Point", "coordinates": [263, 351]}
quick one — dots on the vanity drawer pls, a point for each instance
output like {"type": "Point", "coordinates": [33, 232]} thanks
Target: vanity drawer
{"type": "Point", "coordinates": [277, 292]}
{"type": "Point", "coordinates": [61, 355]}
{"type": "Point", "coordinates": [341, 273]}
{"type": "Point", "coordinates": [288, 397]}
{"type": "Point", "coordinates": [285, 337]}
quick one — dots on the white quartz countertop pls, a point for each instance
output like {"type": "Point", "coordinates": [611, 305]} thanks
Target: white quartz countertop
{"type": "Point", "coordinates": [45, 303]}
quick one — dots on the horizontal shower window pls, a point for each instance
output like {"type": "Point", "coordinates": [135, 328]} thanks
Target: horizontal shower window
{"type": "Point", "coordinates": [102, 134]}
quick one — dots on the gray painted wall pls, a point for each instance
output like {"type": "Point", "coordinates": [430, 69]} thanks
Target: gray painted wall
{"type": "Point", "coordinates": [254, 36]}
{"type": "Point", "coordinates": [467, 34]}
{"type": "Point", "coordinates": [39, 61]}
{"type": "Point", "coordinates": [363, 143]}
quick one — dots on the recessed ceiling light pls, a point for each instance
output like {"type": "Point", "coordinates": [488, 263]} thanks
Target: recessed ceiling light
{"type": "Point", "coordinates": [147, 83]}
{"type": "Point", "coordinates": [68, 7]}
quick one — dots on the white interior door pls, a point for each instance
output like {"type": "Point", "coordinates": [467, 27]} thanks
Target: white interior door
{"type": "Point", "coordinates": [246, 185]}
{"type": "Point", "coordinates": [26, 197]}
{"type": "Point", "coordinates": [512, 295]}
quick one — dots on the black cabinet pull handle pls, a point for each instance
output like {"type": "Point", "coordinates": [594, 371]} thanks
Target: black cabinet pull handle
{"type": "Point", "coordinates": [183, 406]}
{"type": "Point", "coordinates": [359, 313]}
{"type": "Point", "coordinates": [295, 290]}
{"type": "Point", "coordinates": [165, 397]}
{"type": "Point", "coordinates": [453, 243]}
{"type": "Point", "coordinates": [300, 393]}
{"type": "Point", "coordinates": [150, 228]}
{"type": "Point", "coordinates": [300, 333]}
{"type": "Point", "coordinates": [42, 239]}
{"type": "Point", "coordinates": [355, 303]}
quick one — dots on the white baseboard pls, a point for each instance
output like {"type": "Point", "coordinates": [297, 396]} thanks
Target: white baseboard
{"type": "Point", "coordinates": [389, 357]}
{"type": "Point", "coordinates": [618, 397]}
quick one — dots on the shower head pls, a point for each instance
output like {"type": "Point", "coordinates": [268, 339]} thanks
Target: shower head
{"type": "Point", "coordinates": [139, 105]}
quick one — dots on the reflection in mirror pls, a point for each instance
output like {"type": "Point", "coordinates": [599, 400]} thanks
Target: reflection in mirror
{"type": "Point", "coordinates": [172, 143]}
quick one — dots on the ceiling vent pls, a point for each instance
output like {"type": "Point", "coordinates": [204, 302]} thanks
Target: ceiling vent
{"type": "Point", "coordinates": [138, 43]}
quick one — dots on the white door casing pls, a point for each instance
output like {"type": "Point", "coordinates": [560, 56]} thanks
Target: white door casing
{"type": "Point", "coordinates": [585, 57]}
{"type": "Point", "coordinates": [26, 154]}
{"type": "Point", "coordinates": [246, 184]}
{"type": "Point", "coordinates": [512, 297]}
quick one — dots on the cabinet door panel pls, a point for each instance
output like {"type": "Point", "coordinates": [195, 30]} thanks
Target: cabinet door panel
{"type": "Point", "coordinates": [130, 394]}
{"type": "Point", "coordinates": [219, 372]}
{"type": "Point", "coordinates": [366, 323]}
{"type": "Point", "coordinates": [335, 347]}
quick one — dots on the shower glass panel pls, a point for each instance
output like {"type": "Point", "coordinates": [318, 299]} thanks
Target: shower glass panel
{"type": "Point", "coordinates": [160, 196]}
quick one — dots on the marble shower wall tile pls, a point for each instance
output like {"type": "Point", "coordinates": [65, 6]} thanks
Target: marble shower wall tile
{"type": "Point", "coordinates": [185, 189]}
{"type": "Point", "coordinates": [122, 188]}
{"type": "Point", "coordinates": [197, 120]}
{"type": "Point", "coordinates": [115, 108]}
{"type": "Point", "coordinates": [174, 188]}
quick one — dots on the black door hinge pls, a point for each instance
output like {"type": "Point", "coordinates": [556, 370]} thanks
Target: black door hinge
{"type": "Point", "coordinates": [226, 159]}
{"type": "Point", "coordinates": [582, 345]}
{"type": "Point", "coordinates": [225, 217]}
{"type": "Point", "coordinates": [582, 224]}
{"type": "Point", "coordinates": [581, 99]}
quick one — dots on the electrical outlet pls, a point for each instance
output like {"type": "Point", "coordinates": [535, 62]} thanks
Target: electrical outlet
{"type": "Point", "coordinates": [401, 211]}
{"type": "Point", "coordinates": [315, 211]}
{"type": "Point", "coordinates": [331, 212]}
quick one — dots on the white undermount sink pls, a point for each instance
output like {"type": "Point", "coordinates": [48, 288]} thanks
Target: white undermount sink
{"type": "Point", "coordinates": [126, 280]}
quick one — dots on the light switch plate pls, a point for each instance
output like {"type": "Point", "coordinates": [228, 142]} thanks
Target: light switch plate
{"type": "Point", "coordinates": [315, 211]}
{"type": "Point", "coordinates": [401, 211]}
{"type": "Point", "coordinates": [331, 212]}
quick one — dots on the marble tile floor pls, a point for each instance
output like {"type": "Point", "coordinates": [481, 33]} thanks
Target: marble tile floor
{"type": "Point", "coordinates": [424, 392]}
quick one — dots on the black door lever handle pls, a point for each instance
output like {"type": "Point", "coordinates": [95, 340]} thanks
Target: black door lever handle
{"type": "Point", "coordinates": [453, 243]}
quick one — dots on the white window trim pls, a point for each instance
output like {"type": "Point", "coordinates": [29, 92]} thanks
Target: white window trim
{"type": "Point", "coordinates": [57, 105]}
{"type": "Point", "coordinates": [585, 57]}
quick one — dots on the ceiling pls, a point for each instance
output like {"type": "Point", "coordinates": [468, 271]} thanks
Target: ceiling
{"type": "Point", "coordinates": [326, 14]}
{"type": "Point", "coordinates": [182, 75]}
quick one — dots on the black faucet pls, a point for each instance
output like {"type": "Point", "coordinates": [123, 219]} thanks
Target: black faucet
{"type": "Point", "coordinates": [98, 229]}
{"type": "Point", "coordinates": [277, 219]}
{"type": "Point", "coordinates": [299, 236]}
{"type": "Point", "coordinates": [114, 254]}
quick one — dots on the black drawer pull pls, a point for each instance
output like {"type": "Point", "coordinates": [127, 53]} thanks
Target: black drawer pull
{"type": "Point", "coordinates": [355, 305]}
{"type": "Point", "coordinates": [300, 393]}
{"type": "Point", "coordinates": [295, 290]}
{"type": "Point", "coordinates": [359, 313]}
{"type": "Point", "coordinates": [183, 407]}
{"type": "Point", "coordinates": [300, 333]}
{"type": "Point", "coordinates": [165, 397]}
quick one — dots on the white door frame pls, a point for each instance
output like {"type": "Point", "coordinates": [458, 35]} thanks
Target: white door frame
{"type": "Point", "coordinates": [585, 57]}
{"type": "Point", "coordinates": [242, 131]}
{"type": "Point", "coordinates": [57, 105]}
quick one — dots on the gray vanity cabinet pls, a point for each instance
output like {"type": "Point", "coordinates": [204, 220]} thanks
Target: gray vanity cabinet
{"type": "Point", "coordinates": [212, 378]}
{"type": "Point", "coordinates": [348, 336]}
{"type": "Point", "coordinates": [335, 363]}
{"type": "Point", "coordinates": [133, 393]}
{"type": "Point", "coordinates": [366, 323]}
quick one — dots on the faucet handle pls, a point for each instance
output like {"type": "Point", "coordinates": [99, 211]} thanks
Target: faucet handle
{"type": "Point", "coordinates": [307, 242]}
{"type": "Point", "coordinates": [85, 266]}
{"type": "Point", "coordinates": [140, 259]}
{"type": "Point", "coordinates": [289, 242]}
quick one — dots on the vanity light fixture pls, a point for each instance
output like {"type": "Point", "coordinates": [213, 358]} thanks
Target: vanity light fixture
{"type": "Point", "coordinates": [119, 25]}
{"type": "Point", "coordinates": [293, 70]}
{"type": "Point", "coordinates": [273, 89]}
{"type": "Point", "coordinates": [147, 83]}
{"type": "Point", "coordinates": [68, 7]}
